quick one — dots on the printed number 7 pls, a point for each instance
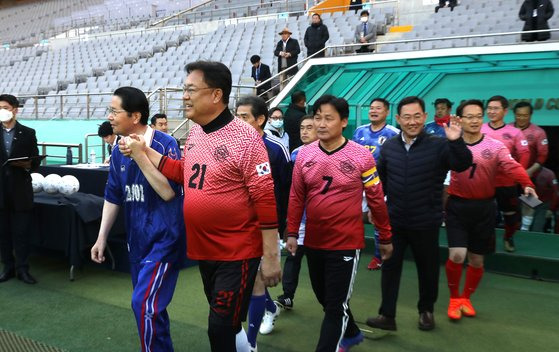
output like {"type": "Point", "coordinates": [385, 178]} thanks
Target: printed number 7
{"type": "Point", "coordinates": [328, 180]}
{"type": "Point", "coordinates": [474, 166]}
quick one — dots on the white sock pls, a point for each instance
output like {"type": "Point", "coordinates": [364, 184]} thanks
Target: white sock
{"type": "Point", "coordinates": [242, 341]}
{"type": "Point", "coordinates": [526, 222]}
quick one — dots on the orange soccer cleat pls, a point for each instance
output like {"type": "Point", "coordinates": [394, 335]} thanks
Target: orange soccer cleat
{"type": "Point", "coordinates": [467, 308]}
{"type": "Point", "coordinates": [454, 310]}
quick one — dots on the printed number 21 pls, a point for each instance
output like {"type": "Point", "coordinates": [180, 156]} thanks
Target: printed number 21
{"type": "Point", "coordinates": [328, 180]}
{"type": "Point", "coordinates": [197, 168]}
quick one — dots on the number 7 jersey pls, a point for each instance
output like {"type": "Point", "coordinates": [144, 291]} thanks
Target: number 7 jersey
{"type": "Point", "coordinates": [329, 185]}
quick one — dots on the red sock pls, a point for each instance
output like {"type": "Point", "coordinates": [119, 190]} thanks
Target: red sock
{"type": "Point", "coordinates": [453, 276]}
{"type": "Point", "coordinates": [473, 277]}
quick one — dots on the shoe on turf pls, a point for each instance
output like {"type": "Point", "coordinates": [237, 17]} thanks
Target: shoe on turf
{"type": "Point", "coordinates": [268, 321]}
{"type": "Point", "coordinates": [284, 302]}
{"type": "Point", "coordinates": [375, 264]}
{"type": "Point", "coordinates": [509, 245]}
{"type": "Point", "coordinates": [348, 343]}
{"type": "Point", "coordinates": [454, 309]}
{"type": "Point", "coordinates": [253, 349]}
{"type": "Point", "coordinates": [467, 308]}
{"type": "Point", "coordinates": [382, 322]}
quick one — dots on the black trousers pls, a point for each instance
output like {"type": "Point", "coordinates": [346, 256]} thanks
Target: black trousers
{"type": "Point", "coordinates": [14, 239]}
{"type": "Point", "coordinates": [291, 270]}
{"type": "Point", "coordinates": [332, 274]}
{"type": "Point", "coordinates": [425, 248]}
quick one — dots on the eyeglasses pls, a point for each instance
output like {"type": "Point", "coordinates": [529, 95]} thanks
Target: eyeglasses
{"type": "Point", "coordinates": [478, 117]}
{"type": "Point", "coordinates": [191, 90]}
{"type": "Point", "coordinates": [113, 111]}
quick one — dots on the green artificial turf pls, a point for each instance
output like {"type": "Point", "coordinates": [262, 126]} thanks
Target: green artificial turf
{"type": "Point", "coordinates": [92, 313]}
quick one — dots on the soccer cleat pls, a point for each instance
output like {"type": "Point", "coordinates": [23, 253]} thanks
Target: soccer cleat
{"type": "Point", "coordinates": [284, 302]}
{"type": "Point", "coordinates": [467, 308]}
{"type": "Point", "coordinates": [454, 307]}
{"type": "Point", "coordinates": [348, 343]}
{"type": "Point", "coordinates": [509, 245]}
{"type": "Point", "coordinates": [375, 264]}
{"type": "Point", "coordinates": [268, 321]}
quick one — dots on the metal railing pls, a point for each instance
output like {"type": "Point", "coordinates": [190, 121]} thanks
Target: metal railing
{"type": "Point", "coordinates": [102, 145]}
{"type": "Point", "coordinates": [44, 145]}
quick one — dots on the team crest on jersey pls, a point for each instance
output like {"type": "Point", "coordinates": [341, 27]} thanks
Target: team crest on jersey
{"type": "Point", "coordinates": [507, 136]}
{"type": "Point", "coordinates": [172, 153]}
{"type": "Point", "coordinates": [122, 168]}
{"type": "Point", "coordinates": [309, 164]}
{"type": "Point", "coordinates": [381, 140]}
{"type": "Point", "coordinates": [347, 167]}
{"type": "Point", "coordinates": [221, 153]}
{"type": "Point", "coordinates": [487, 154]}
{"type": "Point", "coordinates": [530, 137]}
{"type": "Point", "coordinates": [263, 169]}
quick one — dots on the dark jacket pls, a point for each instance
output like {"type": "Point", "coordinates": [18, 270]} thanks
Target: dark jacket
{"type": "Point", "coordinates": [291, 47]}
{"type": "Point", "coordinates": [291, 125]}
{"type": "Point", "coordinates": [413, 181]}
{"type": "Point", "coordinates": [544, 11]}
{"type": "Point", "coordinates": [316, 37]}
{"type": "Point", "coordinates": [264, 75]}
{"type": "Point", "coordinates": [16, 192]}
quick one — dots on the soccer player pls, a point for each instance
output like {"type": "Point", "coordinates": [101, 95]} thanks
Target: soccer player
{"type": "Point", "coordinates": [470, 221]}
{"type": "Point", "coordinates": [329, 178]}
{"type": "Point", "coordinates": [412, 168]}
{"type": "Point", "coordinates": [152, 210]}
{"type": "Point", "coordinates": [372, 136]}
{"type": "Point", "coordinates": [253, 111]}
{"type": "Point", "coordinates": [442, 116]}
{"type": "Point", "coordinates": [537, 142]}
{"type": "Point", "coordinates": [229, 207]}
{"type": "Point", "coordinates": [292, 265]}
{"type": "Point", "coordinates": [506, 192]}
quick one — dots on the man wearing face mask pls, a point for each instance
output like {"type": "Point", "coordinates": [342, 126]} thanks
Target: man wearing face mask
{"type": "Point", "coordinates": [16, 192]}
{"type": "Point", "coordinates": [316, 36]}
{"type": "Point", "coordinates": [274, 127]}
{"type": "Point", "coordinates": [365, 32]}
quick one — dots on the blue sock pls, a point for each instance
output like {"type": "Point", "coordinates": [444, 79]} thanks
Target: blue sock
{"type": "Point", "coordinates": [255, 315]}
{"type": "Point", "coordinates": [377, 249]}
{"type": "Point", "coordinates": [270, 305]}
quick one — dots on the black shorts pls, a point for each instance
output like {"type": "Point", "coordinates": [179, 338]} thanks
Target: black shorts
{"type": "Point", "coordinates": [228, 288]}
{"type": "Point", "coordinates": [470, 223]}
{"type": "Point", "coordinates": [507, 198]}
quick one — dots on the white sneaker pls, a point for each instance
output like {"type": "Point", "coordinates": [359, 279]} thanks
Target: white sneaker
{"type": "Point", "coordinates": [253, 349]}
{"type": "Point", "coordinates": [268, 321]}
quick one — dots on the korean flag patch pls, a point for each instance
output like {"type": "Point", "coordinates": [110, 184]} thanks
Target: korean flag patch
{"type": "Point", "coordinates": [263, 169]}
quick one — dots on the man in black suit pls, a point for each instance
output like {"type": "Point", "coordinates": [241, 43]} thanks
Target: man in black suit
{"type": "Point", "coordinates": [287, 51]}
{"type": "Point", "coordinates": [16, 192]}
{"type": "Point", "coordinates": [260, 73]}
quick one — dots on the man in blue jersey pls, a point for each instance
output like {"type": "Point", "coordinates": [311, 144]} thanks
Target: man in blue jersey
{"type": "Point", "coordinates": [372, 136]}
{"type": "Point", "coordinates": [153, 217]}
{"type": "Point", "coordinates": [443, 107]}
{"type": "Point", "coordinates": [292, 265]}
{"type": "Point", "coordinates": [262, 310]}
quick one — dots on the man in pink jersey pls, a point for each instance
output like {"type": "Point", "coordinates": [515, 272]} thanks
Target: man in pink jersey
{"type": "Point", "coordinates": [230, 209]}
{"type": "Point", "coordinates": [506, 192]}
{"type": "Point", "coordinates": [537, 142]}
{"type": "Point", "coordinates": [470, 211]}
{"type": "Point", "coordinates": [329, 178]}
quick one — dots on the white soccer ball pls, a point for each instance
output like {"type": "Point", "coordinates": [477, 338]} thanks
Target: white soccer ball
{"type": "Point", "coordinates": [69, 185]}
{"type": "Point", "coordinates": [37, 182]}
{"type": "Point", "coordinates": [51, 182]}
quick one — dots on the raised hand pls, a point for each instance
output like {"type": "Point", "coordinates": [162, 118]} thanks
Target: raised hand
{"type": "Point", "coordinates": [453, 130]}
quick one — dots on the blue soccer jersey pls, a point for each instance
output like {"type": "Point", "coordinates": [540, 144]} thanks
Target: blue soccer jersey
{"type": "Point", "coordinates": [281, 173]}
{"type": "Point", "coordinates": [435, 128]}
{"type": "Point", "coordinates": [374, 140]}
{"type": "Point", "coordinates": [155, 228]}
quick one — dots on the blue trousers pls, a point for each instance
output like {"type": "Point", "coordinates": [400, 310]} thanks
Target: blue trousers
{"type": "Point", "coordinates": [154, 284]}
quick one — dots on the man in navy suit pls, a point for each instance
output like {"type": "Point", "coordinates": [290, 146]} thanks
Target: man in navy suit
{"type": "Point", "coordinates": [16, 191]}
{"type": "Point", "coordinates": [260, 73]}
{"type": "Point", "coordinates": [287, 51]}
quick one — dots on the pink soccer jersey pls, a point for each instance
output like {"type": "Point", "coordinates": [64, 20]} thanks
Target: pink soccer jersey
{"type": "Point", "coordinates": [490, 158]}
{"type": "Point", "coordinates": [517, 144]}
{"type": "Point", "coordinates": [329, 185]}
{"type": "Point", "coordinates": [537, 142]}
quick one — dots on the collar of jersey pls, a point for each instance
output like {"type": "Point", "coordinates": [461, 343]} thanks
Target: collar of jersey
{"type": "Point", "coordinates": [220, 121]}
{"type": "Point", "coordinates": [148, 136]}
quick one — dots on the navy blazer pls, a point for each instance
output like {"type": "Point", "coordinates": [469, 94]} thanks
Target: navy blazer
{"type": "Point", "coordinates": [264, 75]}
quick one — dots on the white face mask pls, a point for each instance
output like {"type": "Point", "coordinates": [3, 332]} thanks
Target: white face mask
{"type": "Point", "coordinates": [364, 19]}
{"type": "Point", "coordinates": [276, 123]}
{"type": "Point", "coordinates": [5, 115]}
